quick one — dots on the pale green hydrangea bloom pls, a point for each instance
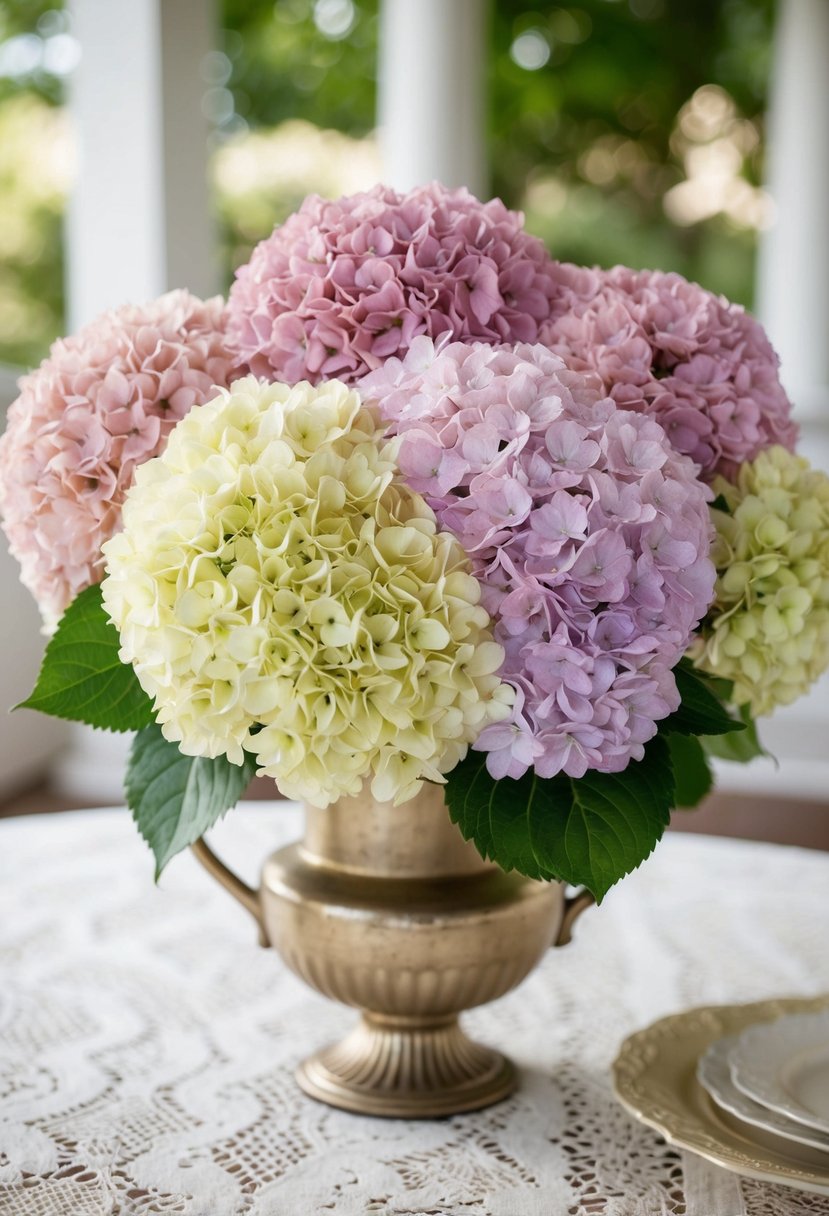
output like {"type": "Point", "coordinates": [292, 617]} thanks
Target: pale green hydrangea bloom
{"type": "Point", "coordinates": [278, 590]}
{"type": "Point", "coordinates": [768, 629]}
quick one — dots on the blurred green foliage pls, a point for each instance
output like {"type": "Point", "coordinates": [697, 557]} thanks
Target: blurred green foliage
{"type": "Point", "coordinates": [628, 130]}
{"type": "Point", "coordinates": [32, 184]}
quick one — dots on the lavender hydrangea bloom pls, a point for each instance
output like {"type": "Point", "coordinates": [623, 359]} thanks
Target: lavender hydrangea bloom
{"type": "Point", "coordinates": [341, 286]}
{"type": "Point", "coordinates": [702, 367]}
{"type": "Point", "coordinates": [589, 533]}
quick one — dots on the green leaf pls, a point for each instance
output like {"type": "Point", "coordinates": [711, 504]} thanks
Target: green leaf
{"type": "Point", "coordinates": [498, 815]}
{"type": "Point", "coordinates": [617, 820]}
{"type": "Point", "coordinates": [692, 774]}
{"type": "Point", "coordinates": [741, 747]}
{"type": "Point", "coordinates": [722, 689]}
{"type": "Point", "coordinates": [700, 712]}
{"type": "Point", "coordinates": [720, 503]}
{"type": "Point", "coordinates": [82, 678]}
{"type": "Point", "coordinates": [174, 798]}
{"type": "Point", "coordinates": [589, 831]}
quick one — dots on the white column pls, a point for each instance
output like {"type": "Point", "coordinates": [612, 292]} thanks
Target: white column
{"type": "Point", "coordinates": [793, 304]}
{"type": "Point", "coordinates": [188, 33]}
{"type": "Point", "coordinates": [431, 106]}
{"type": "Point", "coordinates": [793, 270]}
{"type": "Point", "coordinates": [139, 218]}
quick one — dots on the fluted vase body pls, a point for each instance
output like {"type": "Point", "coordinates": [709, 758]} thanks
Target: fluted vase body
{"type": "Point", "coordinates": [389, 910]}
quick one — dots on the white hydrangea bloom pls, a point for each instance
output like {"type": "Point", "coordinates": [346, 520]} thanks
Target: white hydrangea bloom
{"type": "Point", "coordinates": [280, 591]}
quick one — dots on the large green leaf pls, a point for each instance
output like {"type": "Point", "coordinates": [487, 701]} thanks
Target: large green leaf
{"type": "Point", "coordinates": [700, 711]}
{"type": "Point", "coordinates": [617, 820]}
{"type": "Point", "coordinates": [83, 679]}
{"type": "Point", "coordinates": [589, 831]}
{"type": "Point", "coordinates": [692, 774]}
{"type": "Point", "coordinates": [174, 798]}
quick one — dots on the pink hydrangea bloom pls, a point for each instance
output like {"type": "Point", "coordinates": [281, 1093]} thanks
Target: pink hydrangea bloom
{"type": "Point", "coordinates": [341, 286]}
{"type": "Point", "coordinates": [588, 531]}
{"type": "Point", "coordinates": [101, 403]}
{"type": "Point", "coordinates": [702, 367]}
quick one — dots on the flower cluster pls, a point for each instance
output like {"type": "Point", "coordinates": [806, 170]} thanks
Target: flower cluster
{"type": "Point", "coordinates": [341, 286]}
{"type": "Point", "coordinates": [279, 590]}
{"type": "Point", "coordinates": [102, 402]}
{"type": "Point", "coordinates": [589, 534]}
{"type": "Point", "coordinates": [702, 367]}
{"type": "Point", "coordinates": [768, 630]}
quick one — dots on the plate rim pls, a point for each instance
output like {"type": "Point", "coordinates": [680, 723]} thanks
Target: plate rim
{"type": "Point", "coordinates": [718, 1053]}
{"type": "Point", "coordinates": [691, 1125]}
{"type": "Point", "coordinates": [775, 1096]}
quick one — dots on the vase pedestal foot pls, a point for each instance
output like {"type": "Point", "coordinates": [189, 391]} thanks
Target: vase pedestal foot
{"type": "Point", "coordinates": [413, 1068]}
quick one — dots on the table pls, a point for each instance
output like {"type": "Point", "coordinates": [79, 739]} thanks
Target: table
{"type": "Point", "coordinates": [147, 1042]}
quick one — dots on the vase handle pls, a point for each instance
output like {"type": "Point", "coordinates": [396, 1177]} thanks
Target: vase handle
{"type": "Point", "coordinates": [574, 905]}
{"type": "Point", "coordinates": [241, 892]}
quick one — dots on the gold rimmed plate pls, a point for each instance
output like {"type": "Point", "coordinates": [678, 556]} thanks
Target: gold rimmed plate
{"type": "Point", "coordinates": [655, 1078]}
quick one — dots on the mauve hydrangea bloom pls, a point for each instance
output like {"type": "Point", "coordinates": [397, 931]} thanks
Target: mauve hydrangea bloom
{"type": "Point", "coordinates": [589, 534]}
{"type": "Point", "coordinates": [103, 402]}
{"type": "Point", "coordinates": [341, 286]}
{"type": "Point", "coordinates": [702, 367]}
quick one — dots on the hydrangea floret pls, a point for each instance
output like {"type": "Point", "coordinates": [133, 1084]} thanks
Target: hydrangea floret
{"type": "Point", "coordinates": [768, 629]}
{"type": "Point", "coordinates": [588, 532]}
{"type": "Point", "coordinates": [99, 405]}
{"type": "Point", "coordinates": [343, 285]}
{"type": "Point", "coordinates": [279, 590]}
{"type": "Point", "coordinates": [700, 365]}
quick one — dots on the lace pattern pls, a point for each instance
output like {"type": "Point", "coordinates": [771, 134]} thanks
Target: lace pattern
{"type": "Point", "coordinates": [147, 1044]}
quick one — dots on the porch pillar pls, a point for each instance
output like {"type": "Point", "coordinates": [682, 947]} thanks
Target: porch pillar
{"type": "Point", "coordinates": [431, 100]}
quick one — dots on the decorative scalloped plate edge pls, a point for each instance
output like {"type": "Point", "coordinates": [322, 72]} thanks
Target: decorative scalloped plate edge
{"type": "Point", "coordinates": [714, 1075]}
{"type": "Point", "coordinates": [654, 1077]}
{"type": "Point", "coordinates": [761, 1076]}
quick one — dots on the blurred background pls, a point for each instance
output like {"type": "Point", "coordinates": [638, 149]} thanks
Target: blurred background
{"type": "Point", "coordinates": [151, 143]}
{"type": "Point", "coordinates": [627, 131]}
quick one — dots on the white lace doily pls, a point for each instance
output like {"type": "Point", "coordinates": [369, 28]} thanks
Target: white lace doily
{"type": "Point", "coordinates": [147, 1042]}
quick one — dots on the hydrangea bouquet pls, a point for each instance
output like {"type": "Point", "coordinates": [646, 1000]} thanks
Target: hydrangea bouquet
{"type": "Point", "coordinates": [421, 503]}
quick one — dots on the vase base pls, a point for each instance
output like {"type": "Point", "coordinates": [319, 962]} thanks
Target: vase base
{"type": "Point", "coordinates": [407, 1068]}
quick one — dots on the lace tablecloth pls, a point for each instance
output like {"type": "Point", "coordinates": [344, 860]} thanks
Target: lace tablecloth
{"type": "Point", "coordinates": [147, 1042]}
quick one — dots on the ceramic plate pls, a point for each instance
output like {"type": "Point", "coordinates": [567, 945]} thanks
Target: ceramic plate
{"type": "Point", "coordinates": [714, 1073]}
{"type": "Point", "coordinates": [655, 1078]}
{"type": "Point", "coordinates": [785, 1067]}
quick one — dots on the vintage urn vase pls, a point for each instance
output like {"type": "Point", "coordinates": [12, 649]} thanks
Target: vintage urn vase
{"type": "Point", "coordinates": [388, 909]}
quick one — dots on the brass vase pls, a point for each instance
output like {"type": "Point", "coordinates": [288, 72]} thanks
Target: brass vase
{"type": "Point", "coordinates": [390, 910]}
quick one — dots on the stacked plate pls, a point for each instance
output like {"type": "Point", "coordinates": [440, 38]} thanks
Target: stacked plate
{"type": "Point", "coordinates": [775, 1076]}
{"type": "Point", "coordinates": [746, 1086]}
